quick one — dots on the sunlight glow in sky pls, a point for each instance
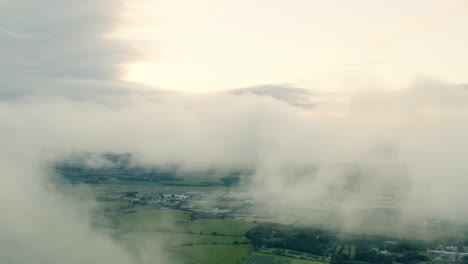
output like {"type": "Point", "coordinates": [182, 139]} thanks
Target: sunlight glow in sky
{"type": "Point", "coordinates": [326, 45]}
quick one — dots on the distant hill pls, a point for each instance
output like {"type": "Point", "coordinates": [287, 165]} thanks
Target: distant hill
{"type": "Point", "coordinates": [111, 167]}
{"type": "Point", "coordinates": [291, 95]}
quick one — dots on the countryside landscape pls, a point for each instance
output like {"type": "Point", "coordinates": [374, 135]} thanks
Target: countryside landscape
{"type": "Point", "coordinates": [210, 217]}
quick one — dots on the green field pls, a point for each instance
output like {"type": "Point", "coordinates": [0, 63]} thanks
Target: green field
{"type": "Point", "coordinates": [301, 261]}
{"type": "Point", "coordinates": [347, 250]}
{"type": "Point", "coordinates": [294, 254]}
{"type": "Point", "coordinates": [218, 226]}
{"type": "Point", "coordinates": [179, 221]}
{"type": "Point", "coordinates": [213, 254]}
{"type": "Point", "coordinates": [154, 219]}
{"type": "Point", "coordinates": [199, 241]}
{"type": "Point", "coordinates": [171, 240]}
{"type": "Point", "coordinates": [262, 258]}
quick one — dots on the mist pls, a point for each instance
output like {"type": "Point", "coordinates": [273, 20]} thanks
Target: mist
{"type": "Point", "coordinates": [407, 145]}
{"type": "Point", "coordinates": [418, 131]}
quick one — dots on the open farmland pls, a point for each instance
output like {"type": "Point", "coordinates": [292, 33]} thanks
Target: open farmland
{"type": "Point", "coordinates": [262, 258]}
{"type": "Point", "coordinates": [200, 221]}
{"type": "Point", "coordinates": [214, 254]}
{"type": "Point", "coordinates": [171, 239]}
{"type": "Point", "coordinates": [179, 221]}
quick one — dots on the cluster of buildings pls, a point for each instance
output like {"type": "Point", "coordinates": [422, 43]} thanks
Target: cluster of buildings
{"type": "Point", "coordinates": [451, 253]}
{"type": "Point", "coordinates": [206, 204]}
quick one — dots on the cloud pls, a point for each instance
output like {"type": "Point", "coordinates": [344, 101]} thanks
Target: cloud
{"type": "Point", "coordinates": [41, 226]}
{"type": "Point", "coordinates": [291, 95]}
{"type": "Point", "coordinates": [406, 146]}
{"type": "Point", "coordinates": [405, 130]}
{"type": "Point", "coordinates": [53, 49]}
{"type": "Point", "coordinates": [46, 45]}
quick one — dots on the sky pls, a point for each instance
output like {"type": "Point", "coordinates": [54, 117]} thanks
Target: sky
{"type": "Point", "coordinates": [332, 45]}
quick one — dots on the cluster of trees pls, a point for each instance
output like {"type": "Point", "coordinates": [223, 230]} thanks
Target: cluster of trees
{"type": "Point", "coordinates": [309, 240]}
{"type": "Point", "coordinates": [366, 249]}
{"type": "Point", "coordinates": [230, 180]}
{"type": "Point", "coordinates": [120, 167]}
{"type": "Point", "coordinates": [77, 173]}
{"type": "Point", "coordinates": [369, 249]}
{"type": "Point", "coordinates": [374, 257]}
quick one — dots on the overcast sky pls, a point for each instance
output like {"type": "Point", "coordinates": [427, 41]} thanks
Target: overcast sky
{"type": "Point", "coordinates": [207, 45]}
{"type": "Point", "coordinates": [315, 44]}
